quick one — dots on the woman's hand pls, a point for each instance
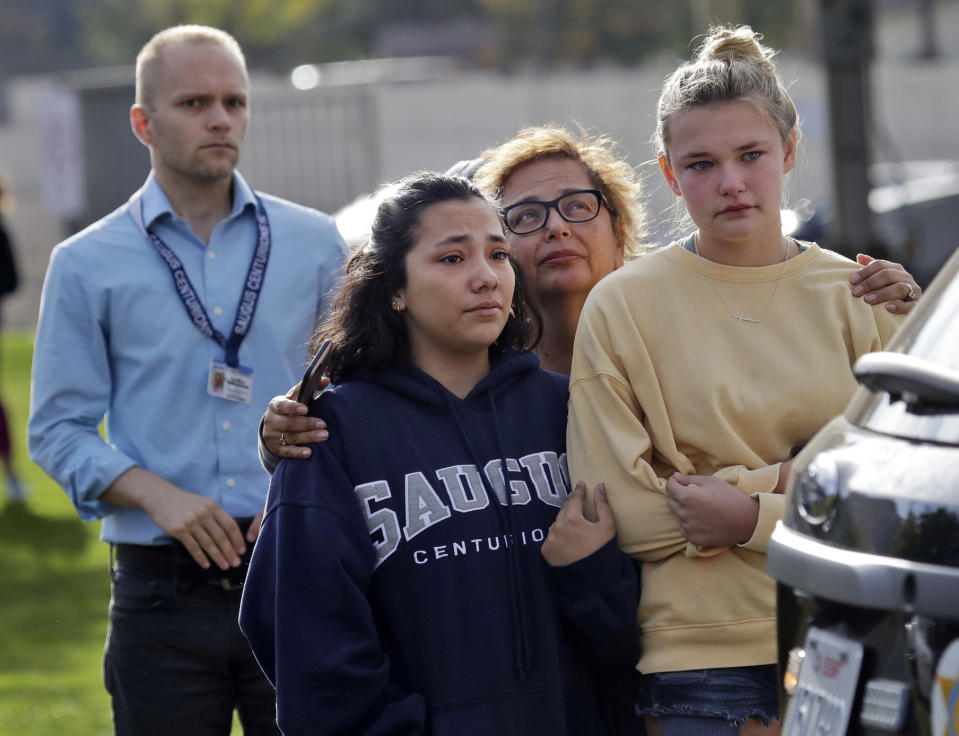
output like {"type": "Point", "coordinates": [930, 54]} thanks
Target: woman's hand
{"type": "Point", "coordinates": [286, 425]}
{"type": "Point", "coordinates": [573, 535]}
{"type": "Point", "coordinates": [885, 282]}
{"type": "Point", "coordinates": [711, 512]}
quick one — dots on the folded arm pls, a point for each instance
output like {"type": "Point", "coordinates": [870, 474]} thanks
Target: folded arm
{"type": "Point", "coordinates": [598, 583]}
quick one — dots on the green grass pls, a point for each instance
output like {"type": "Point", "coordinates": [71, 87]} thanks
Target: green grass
{"type": "Point", "coordinates": [54, 589]}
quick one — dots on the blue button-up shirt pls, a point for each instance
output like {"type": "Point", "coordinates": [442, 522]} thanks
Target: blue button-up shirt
{"type": "Point", "coordinates": [115, 343]}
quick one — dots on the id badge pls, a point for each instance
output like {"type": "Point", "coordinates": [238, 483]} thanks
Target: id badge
{"type": "Point", "coordinates": [232, 384]}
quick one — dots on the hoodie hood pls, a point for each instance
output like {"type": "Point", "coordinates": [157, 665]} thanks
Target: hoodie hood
{"type": "Point", "coordinates": [416, 385]}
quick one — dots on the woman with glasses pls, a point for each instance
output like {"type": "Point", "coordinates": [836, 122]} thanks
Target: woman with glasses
{"type": "Point", "coordinates": [573, 210]}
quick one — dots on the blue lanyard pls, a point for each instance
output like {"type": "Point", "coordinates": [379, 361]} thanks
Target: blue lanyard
{"type": "Point", "coordinates": [186, 292]}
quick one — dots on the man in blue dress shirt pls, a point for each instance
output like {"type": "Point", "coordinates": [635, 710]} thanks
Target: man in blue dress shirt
{"type": "Point", "coordinates": [175, 319]}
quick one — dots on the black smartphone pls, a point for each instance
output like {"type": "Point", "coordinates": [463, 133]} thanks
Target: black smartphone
{"type": "Point", "coordinates": [311, 379]}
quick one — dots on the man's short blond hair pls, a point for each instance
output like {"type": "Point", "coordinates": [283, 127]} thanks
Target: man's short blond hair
{"type": "Point", "coordinates": [608, 172]}
{"type": "Point", "coordinates": [151, 54]}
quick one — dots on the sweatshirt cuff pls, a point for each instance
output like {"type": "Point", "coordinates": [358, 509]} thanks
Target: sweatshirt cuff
{"type": "Point", "coordinates": [590, 576]}
{"type": "Point", "coordinates": [771, 508]}
{"type": "Point", "coordinates": [761, 480]}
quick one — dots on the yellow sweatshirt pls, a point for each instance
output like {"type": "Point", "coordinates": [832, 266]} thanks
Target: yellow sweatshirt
{"type": "Point", "coordinates": [665, 379]}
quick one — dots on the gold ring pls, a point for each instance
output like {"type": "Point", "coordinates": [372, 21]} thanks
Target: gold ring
{"type": "Point", "coordinates": [911, 295]}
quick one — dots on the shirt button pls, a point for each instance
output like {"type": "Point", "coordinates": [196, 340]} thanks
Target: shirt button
{"type": "Point", "coordinates": [210, 254]}
{"type": "Point", "coordinates": [217, 311]}
{"type": "Point", "coordinates": [230, 482]}
{"type": "Point", "coordinates": [227, 426]}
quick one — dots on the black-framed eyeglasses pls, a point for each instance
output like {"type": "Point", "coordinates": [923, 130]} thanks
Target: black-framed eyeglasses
{"type": "Point", "coordinates": [581, 205]}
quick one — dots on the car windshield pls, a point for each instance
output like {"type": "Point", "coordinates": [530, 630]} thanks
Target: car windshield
{"type": "Point", "coordinates": [935, 340]}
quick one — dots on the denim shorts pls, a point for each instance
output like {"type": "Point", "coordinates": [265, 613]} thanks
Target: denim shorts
{"type": "Point", "coordinates": [707, 702]}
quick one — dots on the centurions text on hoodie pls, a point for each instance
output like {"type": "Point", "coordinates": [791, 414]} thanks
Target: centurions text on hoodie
{"type": "Point", "coordinates": [397, 586]}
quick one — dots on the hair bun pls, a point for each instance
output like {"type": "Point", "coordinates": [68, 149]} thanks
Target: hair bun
{"type": "Point", "coordinates": [735, 43]}
{"type": "Point", "coordinates": [730, 65]}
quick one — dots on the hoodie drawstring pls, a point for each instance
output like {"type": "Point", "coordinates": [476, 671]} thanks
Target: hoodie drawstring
{"type": "Point", "coordinates": [521, 651]}
{"type": "Point", "coordinates": [526, 661]}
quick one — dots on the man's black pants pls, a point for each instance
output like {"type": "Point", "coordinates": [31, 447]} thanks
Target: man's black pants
{"type": "Point", "coordinates": [176, 662]}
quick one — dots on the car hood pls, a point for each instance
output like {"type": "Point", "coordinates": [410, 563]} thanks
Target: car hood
{"type": "Point", "coordinates": [893, 497]}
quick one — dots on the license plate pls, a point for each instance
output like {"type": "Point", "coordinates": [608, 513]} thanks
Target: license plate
{"type": "Point", "coordinates": [826, 686]}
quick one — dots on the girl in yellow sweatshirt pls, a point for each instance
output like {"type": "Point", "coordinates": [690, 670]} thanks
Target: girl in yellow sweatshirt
{"type": "Point", "coordinates": [697, 369]}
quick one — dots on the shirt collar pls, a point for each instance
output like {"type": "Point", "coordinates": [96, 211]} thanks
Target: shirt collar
{"type": "Point", "coordinates": [156, 204]}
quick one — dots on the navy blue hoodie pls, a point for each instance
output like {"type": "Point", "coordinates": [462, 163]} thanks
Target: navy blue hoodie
{"type": "Point", "coordinates": [394, 589]}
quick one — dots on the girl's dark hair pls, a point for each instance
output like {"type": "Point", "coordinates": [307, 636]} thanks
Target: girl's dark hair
{"type": "Point", "coordinates": [366, 333]}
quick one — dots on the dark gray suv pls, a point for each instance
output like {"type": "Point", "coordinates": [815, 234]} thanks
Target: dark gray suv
{"type": "Point", "coordinates": [867, 555]}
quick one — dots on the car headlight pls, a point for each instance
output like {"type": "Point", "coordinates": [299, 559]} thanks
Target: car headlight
{"type": "Point", "coordinates": [817, 489]}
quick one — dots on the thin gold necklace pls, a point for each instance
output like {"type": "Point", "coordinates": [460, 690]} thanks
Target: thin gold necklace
{"type": "Point", "coordinates": [735, 315]}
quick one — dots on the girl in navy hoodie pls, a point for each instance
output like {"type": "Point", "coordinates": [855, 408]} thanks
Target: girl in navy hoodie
{"type": "Point", "coordinates": [397, 585]}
